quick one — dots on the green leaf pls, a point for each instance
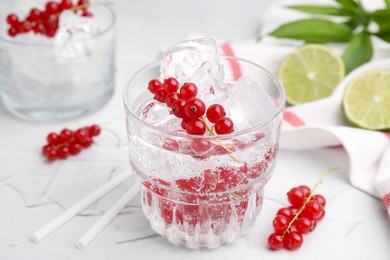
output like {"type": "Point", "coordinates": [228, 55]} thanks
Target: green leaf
{"type": "Point", "coordinates": [387, 3]}
{"type": "Point", "coordinates": [358, 52]}
{"type": "Point", "coordinates": [349, 4]}
{"type": "Point", "coordinates": [382, 18]}
{"type": "Point", "coordinates": [384, 36]}
{"type": "Point", "coordinates": [352, 23]}
{"type": "Point", "coordinates": [325, 10]}
{"type": "Point", "coordinates": [314, 31]}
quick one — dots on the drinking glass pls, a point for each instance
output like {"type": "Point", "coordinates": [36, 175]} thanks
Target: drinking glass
{"type": "Point", "coordinates": [204, 191]}
{"type": "Point", "coordinates": [52, 79]}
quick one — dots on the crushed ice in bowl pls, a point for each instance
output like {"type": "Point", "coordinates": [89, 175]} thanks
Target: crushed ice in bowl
{"type": "Point", "coordinates": [248, 105]}
{"type": "Point", "coordinates": [183, 59]}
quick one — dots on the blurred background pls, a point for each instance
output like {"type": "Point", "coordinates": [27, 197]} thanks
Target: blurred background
{"type": "Point", "coordinates": [143, 28]}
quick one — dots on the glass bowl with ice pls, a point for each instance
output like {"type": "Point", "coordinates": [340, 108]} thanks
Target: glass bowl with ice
{"type": "Point", "coordinates": [60, 64]}
{"type": "Point", "coordinates": [203, 191]}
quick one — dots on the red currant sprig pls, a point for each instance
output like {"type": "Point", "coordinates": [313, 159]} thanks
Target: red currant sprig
{"type": "Point", "coordinates": [300, 218]}
{"type": "Point", "coordinates": [185, 105]}
{"type": "Point", "coordinates": [68, 142]}
{"type": "Point", "coordinates": [45, 21]}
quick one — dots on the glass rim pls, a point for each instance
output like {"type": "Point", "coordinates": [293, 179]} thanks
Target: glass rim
{"type": "Point", "coordinates": [268, 120]}
{"type": "Point", "coordinates": [106, 29]}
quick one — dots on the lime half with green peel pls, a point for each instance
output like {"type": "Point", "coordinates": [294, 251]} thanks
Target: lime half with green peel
{"type": "Point", "coordinates": [310, 73]}
{"type": "Point", "coordinates": [366, 101]}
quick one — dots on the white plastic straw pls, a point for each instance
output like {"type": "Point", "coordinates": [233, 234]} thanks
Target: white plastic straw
{"type": "Point", "coordinates": [104, 220]}
{"type": "Point", "coordinates": [78, 207]}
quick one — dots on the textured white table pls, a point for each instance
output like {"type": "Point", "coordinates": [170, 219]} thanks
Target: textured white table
{"type": "Point", "coordinates": [32, 192]}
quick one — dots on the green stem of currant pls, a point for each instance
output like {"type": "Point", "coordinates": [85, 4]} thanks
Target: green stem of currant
{"type": "Point", "coordinates": [308, 199]}
{"type": "Point", "coordinates": [86, 6]}
{"type": "Point", "coordinates": [210, 130]}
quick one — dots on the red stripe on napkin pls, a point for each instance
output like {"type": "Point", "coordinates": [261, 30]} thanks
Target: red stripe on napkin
{"type": "Point", "coordinates": [386, 200]}
{"type": "Point", "coordinates": [292, 119]}
{"type": "Point", "coordinates": [387, 135]}
{"type": "Point", "coordinates": [234, 65]}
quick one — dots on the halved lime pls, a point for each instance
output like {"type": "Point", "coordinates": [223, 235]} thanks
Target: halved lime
{"type": "Point", "coordinates": [366, 101]}
{"type": "Point", "coordinates": [310, 73]}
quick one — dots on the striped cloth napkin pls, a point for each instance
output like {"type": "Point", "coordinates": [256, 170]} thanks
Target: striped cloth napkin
{"type": "Point", "coordinates": [321, 123]}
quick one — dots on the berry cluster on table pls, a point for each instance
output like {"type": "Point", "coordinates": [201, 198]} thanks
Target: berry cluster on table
{"type": "Point", "coordinates": [69, 142]}
{"type": "Point", "coordinates": [290, 223]}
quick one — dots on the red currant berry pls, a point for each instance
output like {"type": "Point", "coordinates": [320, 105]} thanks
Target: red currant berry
{"type": "Point", "coordinates": [320, 199]}
{"type": "Point", "coordinates": [86, 13]}
{"type": "Point", "coordinates": [47, 149]}
{"type": "Point", "coordinates": [82, 2]}
{"type": "Point", "coordinates": [178, 108]}
{"type": "Point", "coordinates": [280, 223]}
{"type": "Point", "coordinates": [275, 241]}
{"type": "Point", "coordinates": [183, 125]}
{"type": "Point", "coordinates": [94, 130]}
{"type": "Point", "coordinates": [195, 108]}
{"type": "Point", "coordinates": [292, 240]}
{"type": "Point", "coordinates": [53, 7]}
{"type": "Point", "coordinates": [171, 98]}
{"type": "Point", "coordinates": [296, 197]}
{"type": "Point", "coordinates": [154, 85]}
{"type": "Point", "coordinates": [288, 212]}
{"type": "Point", "coordinates": [170, 85]}
{"type": "Point", "coordinates": [51, 155]}
{"type": "Point", "coordinates": [35, 14]}
{"type": "Point", "coordinates": [19, 28]}
{"type": "Point", "coordinates": [50, 20]}
{"type": "Point", "coordinates": [160, 95]}
{"type": "Point", "coordinates": [63, 152]}
{"type": "Point", "coordinates": [312, 210]}
{"type": "Point", "coordinates": [51, 24]}
{"type": "Point", "coordinates": [87, 142]}
{"type": "Point", "coordinates": [313, 225]}
{"type": "Point", "coordinates": [224, 126]}
{"type": "Point", "coordinates": [66, 4]}
{"type": "Point", "coordinates": [53, 138]}
{"type": "Point", "coordinates": [321, 216]}
{"type": "Point", "coordinates": [66, 134]}
{"type": "Point", "coordinates": [25, 27]}
{"type": "Point", "coordinates": [50, 32]}
{"type": "Point", "coordinates": [303, 225]}
{"type": "Point", "coordinates": [12, 31]}
{"type": "Point", "coordinates": [183, 185]}
{"type": "Point", "coordinates": [215, 112]}
{"type": "Point", "coordinates": [13, 19]}
{"type": "Point", "coordinates": [39, 28]}
{"type": "Point", "coordinates": [74, 149]}
{"type": "Point", "coordinates": [188, 91]}
{"type": "Point", "coordinates": [35, 28]}
{"type": "Point", "coordinates": [200, 145]}
{"type": "Point", "coordinates": [171, 145]}
{"type": "Point", "coordinates": [306, 190]}
{"type": "Point", "coordinates": [184, 122]}
{"type": "Point", "coordinates": [81, 135]}
{"type": "Point", "coordinates": [196, 127]}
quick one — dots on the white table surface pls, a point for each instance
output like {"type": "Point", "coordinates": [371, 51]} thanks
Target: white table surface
{"type": "Point", "coordinates": [32, 192]}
